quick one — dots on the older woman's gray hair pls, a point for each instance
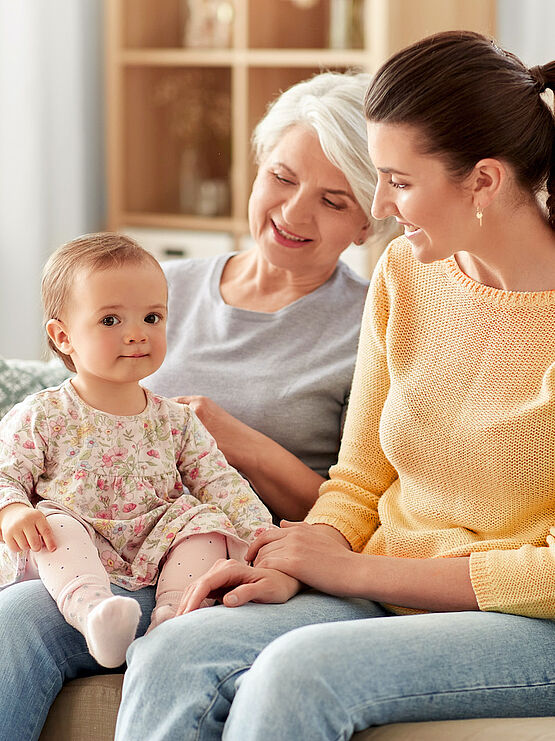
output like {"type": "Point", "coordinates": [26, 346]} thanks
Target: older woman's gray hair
{"type": "Point", "coordinates": [331, 103]}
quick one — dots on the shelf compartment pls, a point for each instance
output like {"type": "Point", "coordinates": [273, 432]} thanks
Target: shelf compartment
{"type": "Point", "coordinates": [271, 23]}
{"type": "Point", "coordinates": [177, 153]}
{"type": "Point", "coordinates": [282, 24]}
{"type": "Point", "coordinates": [177, 23]}
{"type": "Point", "coordinates": [265, 24]}
{"type": "Point", "coordinates": [325, 24]}
{"type": "Point", "coordinates": [152, 23]}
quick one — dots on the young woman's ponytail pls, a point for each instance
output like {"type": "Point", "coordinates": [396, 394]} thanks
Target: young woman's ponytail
{"type": "Point", "coordinates": [544, 79]}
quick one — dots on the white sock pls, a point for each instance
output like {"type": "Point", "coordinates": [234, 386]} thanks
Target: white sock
{"type": "Point", "coordinates": [111, 628]}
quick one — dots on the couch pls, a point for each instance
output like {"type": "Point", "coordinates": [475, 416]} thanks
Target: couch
{"type": "Point", "coordinates": [86, 708]}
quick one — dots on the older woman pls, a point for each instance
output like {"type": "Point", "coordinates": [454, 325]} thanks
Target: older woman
{"type": "Point", "coordinates": [443, 498]}
{"type": "Point", "coordinates": [261, 343]}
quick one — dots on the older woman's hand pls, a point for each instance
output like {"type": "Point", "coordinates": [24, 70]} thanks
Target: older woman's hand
{"type": "Point", "coordinates": [283, 482]}
{"type": "Point", "coordinates": [235, 583]}
{"type": "Point", "coordinates": [317, 555]}
{"type": "Point", "coordinates": [225, 428]}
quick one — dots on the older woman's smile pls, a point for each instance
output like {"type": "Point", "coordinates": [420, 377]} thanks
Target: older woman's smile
{"type": "Point", "coordinates": [287, 238]}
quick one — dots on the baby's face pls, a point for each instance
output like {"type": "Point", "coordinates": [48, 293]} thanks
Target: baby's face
{"type": "Point", "coordinates": [116, 322]}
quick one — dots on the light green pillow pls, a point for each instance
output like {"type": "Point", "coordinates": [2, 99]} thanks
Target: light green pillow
{"type": "Point", "coordinates": [19, 378]}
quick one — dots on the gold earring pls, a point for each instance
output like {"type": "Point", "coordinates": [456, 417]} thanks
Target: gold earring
{"type": "Point", "coordinates": [479, 214]}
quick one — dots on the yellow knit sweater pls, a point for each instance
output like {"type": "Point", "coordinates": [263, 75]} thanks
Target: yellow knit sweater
{"type": "Point", "coordinates": [449, 441]}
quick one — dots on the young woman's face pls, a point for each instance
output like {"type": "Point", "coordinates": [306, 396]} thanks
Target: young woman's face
{"type": "Point", "coordinates": [116, 323]}
{"type": "Point", "coordinates": [302, 211]}
{"type": "Point", "coordinates": [436, 211]}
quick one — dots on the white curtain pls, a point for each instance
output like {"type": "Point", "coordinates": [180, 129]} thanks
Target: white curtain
{"type": "Point", "coordinates": [51, 149]}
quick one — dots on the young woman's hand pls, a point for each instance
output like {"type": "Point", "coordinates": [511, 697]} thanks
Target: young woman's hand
{"type": "Point", "coordinates": [317, 555]}
{"type": "Point", "coordinates": [320, 557]}
{"type": "Point", "coordinates": [235, 583]}
{"type": "Point", "coordinates": [23, 527]}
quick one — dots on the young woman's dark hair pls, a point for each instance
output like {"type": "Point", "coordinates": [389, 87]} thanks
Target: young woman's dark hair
{"type": "Point", "coordinates": [470, 99]}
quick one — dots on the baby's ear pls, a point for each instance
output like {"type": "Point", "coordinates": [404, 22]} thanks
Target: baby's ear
{"type": "Point", "coordinates": [59, 336]}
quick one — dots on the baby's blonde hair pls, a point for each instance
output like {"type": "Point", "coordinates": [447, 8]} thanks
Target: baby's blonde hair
{"type": "Point", "coordinates": [89, 252]}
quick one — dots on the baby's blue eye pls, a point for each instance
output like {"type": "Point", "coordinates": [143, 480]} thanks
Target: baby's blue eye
{"type": "Point", "coordinates": [110, 321]}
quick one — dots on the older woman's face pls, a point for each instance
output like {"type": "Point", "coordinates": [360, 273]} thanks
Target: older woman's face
{"type": "Point", "coordinates": [302, 211]}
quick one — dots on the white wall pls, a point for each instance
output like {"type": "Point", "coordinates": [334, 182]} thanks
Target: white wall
{"type": "Point", "coordinates": [527, 28]}
{"type": "Point", "coordinates": [51, 134]}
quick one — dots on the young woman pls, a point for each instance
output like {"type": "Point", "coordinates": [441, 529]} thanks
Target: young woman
{"type": "Point", "coordinates": [443, 499]}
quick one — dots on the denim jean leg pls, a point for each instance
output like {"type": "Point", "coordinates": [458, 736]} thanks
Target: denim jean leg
{"type": "Point", "coordinates": [328, 681]}
{"type": "Point", "coordinates": [39, 651]}
{"type": "Point", "coordinates": [181, 677]}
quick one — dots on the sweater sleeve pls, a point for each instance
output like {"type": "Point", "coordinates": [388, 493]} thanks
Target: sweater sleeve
{"type": "Point", "coordinates": [209, 477]}
{"type": "Point", "coordinates": [349, 500]}
{"type": "Point", "coordinates": [23, 445]}
{"type": "Point", "coordinates": [519, 581]}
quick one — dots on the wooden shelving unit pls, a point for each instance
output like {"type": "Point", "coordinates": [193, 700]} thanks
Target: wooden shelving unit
{"type": "Point", "coordinates": [179, 119]}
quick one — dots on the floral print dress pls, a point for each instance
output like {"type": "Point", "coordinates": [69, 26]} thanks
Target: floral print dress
{"type": "Point", "coordinates": [135, 482]}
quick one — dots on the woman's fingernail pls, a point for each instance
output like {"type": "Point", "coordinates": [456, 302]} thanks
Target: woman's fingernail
{"type": "Point", "coordinates": [232, 599]}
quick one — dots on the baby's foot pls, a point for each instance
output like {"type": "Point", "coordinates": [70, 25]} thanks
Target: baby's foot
{"type": "Point", "coordinates": [111, 628]}
{"type": "Point", "coordinates": [160, 615]}
{"type": "Point", "coordinates": [168, 611]}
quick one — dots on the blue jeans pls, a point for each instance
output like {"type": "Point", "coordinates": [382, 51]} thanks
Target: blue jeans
{"type": "Point", "coordinates": [265, 672]}
{"type": "Point", "coordinates": [38, 652]}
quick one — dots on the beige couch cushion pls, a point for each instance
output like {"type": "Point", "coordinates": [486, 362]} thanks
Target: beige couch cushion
{"type": "Point", "coordinates": [487, 729]}
{"type": "Point", "coordinates": [86, 710]}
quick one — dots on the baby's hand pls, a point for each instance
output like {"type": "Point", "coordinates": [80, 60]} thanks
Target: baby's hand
{"type": "Point", "coordinates": [23, 527]}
